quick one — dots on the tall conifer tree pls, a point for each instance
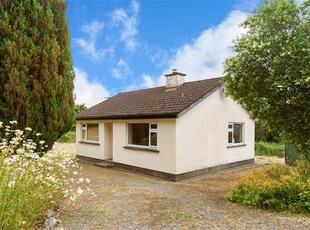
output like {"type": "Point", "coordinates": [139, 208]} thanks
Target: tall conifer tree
{"type": "Point", "coordinates": [36, 73]}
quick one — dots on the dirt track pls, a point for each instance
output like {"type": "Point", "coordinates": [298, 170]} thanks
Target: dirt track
{"type": "Point", "coordinates": [126, 200]}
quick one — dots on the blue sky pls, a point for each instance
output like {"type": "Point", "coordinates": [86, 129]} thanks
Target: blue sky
{"type": "Point", "coordinates": [124, 45]}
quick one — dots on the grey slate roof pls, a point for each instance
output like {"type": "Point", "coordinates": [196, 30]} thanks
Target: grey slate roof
{"type": "Point", "coordinates": [151, 103]}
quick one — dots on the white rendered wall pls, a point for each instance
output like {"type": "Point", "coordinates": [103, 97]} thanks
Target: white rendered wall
{"type": "Point", "coordinates": [108, 140]}
{"type": "Point", "coordinates": [90, 149]}
{"type": "Point", "coordinates": [163, 161]}
{"type": "Point", "coordinates": [202, 134]}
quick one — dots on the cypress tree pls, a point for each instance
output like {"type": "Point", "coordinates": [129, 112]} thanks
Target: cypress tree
{"type": "Point", "coordinates": [36, 72]}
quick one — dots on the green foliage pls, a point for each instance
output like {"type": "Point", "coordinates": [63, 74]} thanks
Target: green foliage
{"type": "Point", "coordinates": [68, 137]}
{"type": "Point", "coordinates": [30, 185]}
{"type": "Point", "coordinates": [36, 73]}
{"type": "Point", "coordinates": [263, 134]}
{"type": "Point", "coordinates": [79, 108]}
{"type": "Point", "coordinates": [275, 187]}
{"type": "Point", "coordinates": [269, 149]}
{"type": "Point", "coordinates": [270, 74]}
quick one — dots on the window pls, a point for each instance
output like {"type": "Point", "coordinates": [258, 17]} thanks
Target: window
{"type": "Point", "coordinates": [143, 134]}
{"type": "Point", "coordinates": [235, 133]}
{"type": "Point", "coordinates": [90, 132]}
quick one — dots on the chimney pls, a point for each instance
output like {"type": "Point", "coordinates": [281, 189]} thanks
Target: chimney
{"type": "Point", "coordinates": [174, 79]}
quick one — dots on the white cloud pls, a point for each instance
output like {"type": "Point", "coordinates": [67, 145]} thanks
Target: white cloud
{"type": "Point", "coordinates": [127, 20]}
{"type": "Point", "coordinates": [204, 57]}
{"type": "Point", "coordinates": [88, 45]}
{"type": "Point", "coordinates": [147, 82]}
{"type": "Point", "coordinates": [93, 29]}
{"type": "Point", "coordinates": [87, 92]}
{"type": "Point", "coordinates": [121, 70]}
{"type": "Point", "coordinates": [158, 56]}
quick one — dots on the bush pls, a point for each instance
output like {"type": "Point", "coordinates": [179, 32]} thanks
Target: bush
{"type": "Point", "coordinates": [269, 149]}
{"type": "Point", "coordinates": [263, 134]}
{"type": "Point", "coordinates": [30, 185]}
{"type": "Point", "coordinates": [68, 137]}
{"type": "Point", "coordinates": [277, 187]}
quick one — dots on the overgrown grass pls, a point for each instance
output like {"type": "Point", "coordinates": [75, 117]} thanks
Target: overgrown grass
{"type": "Point", "coordinates": [269, 149]}
{"type": "Point", "coordinates": [68, 137]}
{"type": "Point", "coordinates": [276, 187]}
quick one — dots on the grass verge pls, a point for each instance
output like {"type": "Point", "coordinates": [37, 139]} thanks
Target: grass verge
{"type": "Point", "coordinates": [269, 149]}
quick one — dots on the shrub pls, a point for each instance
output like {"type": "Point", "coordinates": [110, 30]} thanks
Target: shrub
{"type": "Point", "coordinates": [30, 185]}
{"type": "Point", "coordinates": [277, 187]}
{"type": "Point", "coordinates": [68, 137]}
{"type": "Point", "coordinates": [269, 149]}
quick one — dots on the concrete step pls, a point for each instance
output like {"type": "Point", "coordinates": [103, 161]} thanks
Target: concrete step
{"type": "Point", "coordinates": [105, 164]}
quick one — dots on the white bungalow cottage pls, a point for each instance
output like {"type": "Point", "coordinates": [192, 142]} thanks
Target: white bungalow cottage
{"type": "Point", "coordinates": [176, 131]}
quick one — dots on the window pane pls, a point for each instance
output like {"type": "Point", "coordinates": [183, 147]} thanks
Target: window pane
{"type": "Point", "coordinates": [92, 132]}
{"type": "Point", "coordinates": [153, 126]}
{"type": "Point", "coordinates": [238, 133]}
{"type": "Point", "coordinates": [230, 126]}
{"type": "Point", "coordinates": [230, 139]}
{"type": "Point", "coordinates": [138, 134]}
{"type": "Point", "coordinates": [84, 134]}
{"type": "Point", "coordinates": [154, 139]}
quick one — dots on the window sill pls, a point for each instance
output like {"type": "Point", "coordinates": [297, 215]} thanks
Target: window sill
{"type": "Point", "coordinates": [141, 148]}
{"type": "Point", "coordinates": [236, 145]}
{"type": "Point", "coordinates": [90, 142]}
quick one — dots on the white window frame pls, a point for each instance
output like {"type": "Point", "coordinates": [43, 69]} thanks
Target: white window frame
{"type": "Point", "coordinates": [232, 132]}
{"type": "Point", "coordinates": [84, 128]}
{"type": "Point", "coordinates": [151, 130]}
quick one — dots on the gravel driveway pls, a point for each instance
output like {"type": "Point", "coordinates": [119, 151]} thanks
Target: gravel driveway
{"type": "Point", "coordinates": [127, 200]}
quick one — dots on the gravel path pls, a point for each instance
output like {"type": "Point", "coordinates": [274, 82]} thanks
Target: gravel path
{"type": "Point", "coordinates": [126, 200]}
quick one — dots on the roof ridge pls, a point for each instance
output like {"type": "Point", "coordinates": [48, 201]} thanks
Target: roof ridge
{"type": "Point", "coordinates": [213, 78]}
{"type": "Point", "coordinates": [165, 86]}
{"type": "Point", "coordinates": [140, 90]}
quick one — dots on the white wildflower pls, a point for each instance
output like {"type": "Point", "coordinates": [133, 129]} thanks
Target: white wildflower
{"type": "Point", "coordinates": [18, 133]}
{"type": "Point", "coordinates": [81, 180]}
{"type": "Point", "coordinates": [28, 129]}
{"type": "Point", "coordinates": [13, 122]}
{"type": "Point", "coordinates": [42, 142]}
{"type": "Point", "coordinates": [38, 134]}
{"type": "Point", "coordinates": [87, 180]}
{"type": "Point", "coordinates": [75, 173]}
{"type": "Point", "coordinates": [11, 183]}
{"type": "Point", "coordinates": [20, 151]}
{"type": "Point", "coordinates": [79, 191]}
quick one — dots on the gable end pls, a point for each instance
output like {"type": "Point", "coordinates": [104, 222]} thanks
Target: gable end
{"type": "Point", "coordinates": [200, 100]}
